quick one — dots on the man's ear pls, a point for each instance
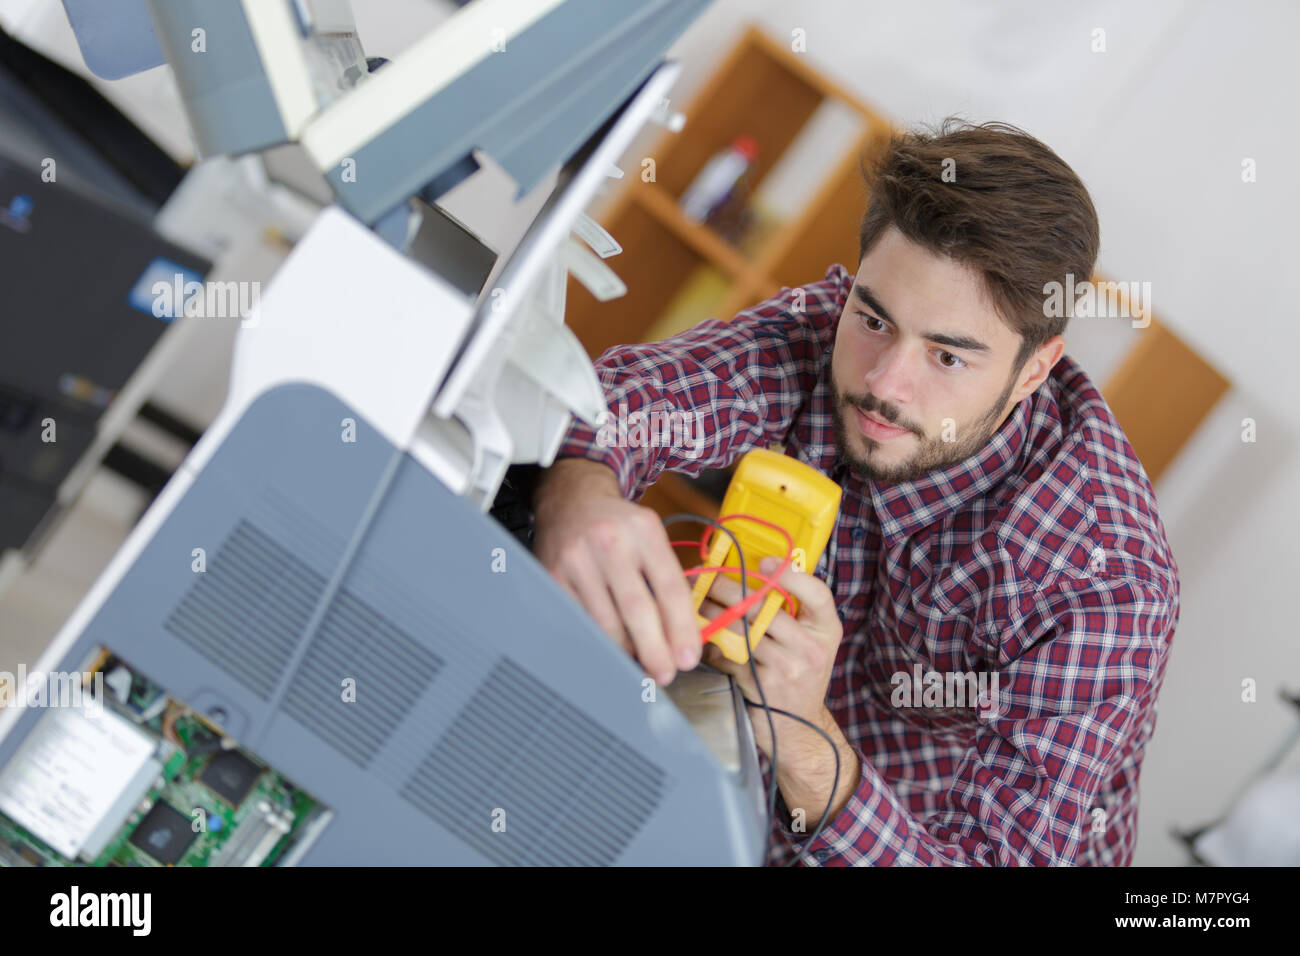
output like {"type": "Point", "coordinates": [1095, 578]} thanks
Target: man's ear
{"type": "Point", "coordinates": [1037, 367]}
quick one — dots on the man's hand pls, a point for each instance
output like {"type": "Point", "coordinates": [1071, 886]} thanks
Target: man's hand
{"type": "Point", "coordinates": [615, 559]}
{"type": "Point", "coordinates": [793, 662]}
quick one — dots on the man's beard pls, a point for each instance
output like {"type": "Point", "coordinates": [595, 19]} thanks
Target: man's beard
{"type": "Point", "coordinates": [932, 454]}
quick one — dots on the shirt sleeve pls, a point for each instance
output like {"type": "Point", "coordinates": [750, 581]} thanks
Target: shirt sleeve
{"type": "Point", "coordinates": [700, 399]}
{"type": "Point", "coordinates": [1059, 719]}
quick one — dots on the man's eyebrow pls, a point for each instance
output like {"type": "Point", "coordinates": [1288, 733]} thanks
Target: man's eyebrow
{"type": "Point", "coordinates": [865, 295]}
{"type": "Point", "coordinates": [964, 342]}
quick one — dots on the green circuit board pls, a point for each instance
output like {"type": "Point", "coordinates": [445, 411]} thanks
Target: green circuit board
{"type": "Point", "coordinates": [212, 804]}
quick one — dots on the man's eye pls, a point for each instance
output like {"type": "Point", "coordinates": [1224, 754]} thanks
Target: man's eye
{"type": "Point", "coordinates": [871, 322]}
{"type": "Point", "coordinates": [948, 360]}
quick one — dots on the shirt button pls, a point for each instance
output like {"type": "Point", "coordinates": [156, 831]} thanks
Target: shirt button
{"type": "Point", "coordinates": [821, 855]}
{"type": "Point", "coordinates": [859, 531]}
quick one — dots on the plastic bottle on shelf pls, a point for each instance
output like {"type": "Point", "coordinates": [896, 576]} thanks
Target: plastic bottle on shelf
{"type": "Point", "coordinates": [716, 184]}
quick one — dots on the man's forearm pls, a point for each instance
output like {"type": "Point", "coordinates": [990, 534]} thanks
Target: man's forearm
{"type": "Point", "coordinates": [806, 767]}
{"type": "Point", "coordinates": [575, 476]}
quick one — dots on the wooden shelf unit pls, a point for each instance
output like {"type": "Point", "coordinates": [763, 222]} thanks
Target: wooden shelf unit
{"type": "Point", "coordinates": [764, 91]}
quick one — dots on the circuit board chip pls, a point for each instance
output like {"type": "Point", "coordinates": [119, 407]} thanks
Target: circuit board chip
{"type": "Point", "coordinates": [230, 775]}
{"type": "Point", "coordinates": [165, 834]}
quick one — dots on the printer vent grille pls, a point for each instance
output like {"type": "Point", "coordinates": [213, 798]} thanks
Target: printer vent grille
{"type": "Point", "coordinates": [572, 793]}
{"type": "Point", "coordinates": [247, 610]}
{"type": "Point", "coordinates": [391, 671]}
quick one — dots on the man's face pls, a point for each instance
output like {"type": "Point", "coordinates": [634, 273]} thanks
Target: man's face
{"type": "Point", "coordinates": [922, 367]}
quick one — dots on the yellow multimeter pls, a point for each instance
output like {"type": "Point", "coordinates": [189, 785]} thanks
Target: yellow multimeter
{"type": "Point", "coordinates": [786, 492]}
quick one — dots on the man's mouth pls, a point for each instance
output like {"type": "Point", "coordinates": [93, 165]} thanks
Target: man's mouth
{"type": "Point", "coordinates": [873, 426]}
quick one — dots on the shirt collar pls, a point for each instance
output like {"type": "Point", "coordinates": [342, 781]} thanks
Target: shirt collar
{"type": "Point", "coordinates": [905, 508]}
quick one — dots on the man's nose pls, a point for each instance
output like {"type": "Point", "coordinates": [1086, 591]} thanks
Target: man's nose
{"type": "Point", "coordinates": [890, 379]}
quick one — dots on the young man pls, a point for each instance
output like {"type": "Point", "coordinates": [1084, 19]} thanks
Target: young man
{"type": "Point", "coordinates": [986, 635]}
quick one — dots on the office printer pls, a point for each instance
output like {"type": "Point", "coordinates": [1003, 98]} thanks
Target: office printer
{"type": "Point", "coordinates": [316, 647]}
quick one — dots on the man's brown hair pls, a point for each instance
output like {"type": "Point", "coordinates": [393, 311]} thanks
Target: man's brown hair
{"type": "Point", "coordinates": [1012, 210]}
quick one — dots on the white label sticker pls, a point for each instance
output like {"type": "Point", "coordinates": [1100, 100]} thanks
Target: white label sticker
{"type": "Point", "coordinates": [69, 772]}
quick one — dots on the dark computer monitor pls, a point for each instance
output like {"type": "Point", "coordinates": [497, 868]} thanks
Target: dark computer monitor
{"type": "Point", "coordinates": [77, 318]}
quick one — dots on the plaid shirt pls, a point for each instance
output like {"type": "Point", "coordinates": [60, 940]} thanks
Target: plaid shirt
{"type": "Point", "coordinates": [1039, 563]}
